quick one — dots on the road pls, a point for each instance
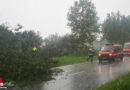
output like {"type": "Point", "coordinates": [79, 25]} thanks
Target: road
{"type": "Point", "coordinates": [86, 76]}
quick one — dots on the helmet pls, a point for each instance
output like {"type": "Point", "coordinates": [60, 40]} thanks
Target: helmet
{"type": "Point", "coordinates": [34, 49]}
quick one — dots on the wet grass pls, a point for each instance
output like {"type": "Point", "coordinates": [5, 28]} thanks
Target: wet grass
{"type": "Point", "coordinates": [121, 83]}
{"type": "Point", "coordinates": [67, 60]}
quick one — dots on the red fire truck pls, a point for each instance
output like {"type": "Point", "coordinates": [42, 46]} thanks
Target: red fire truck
{"type": "Point", "coordinates": [126, 49]}
{"type": "Point", "coordinates": [110, 52]}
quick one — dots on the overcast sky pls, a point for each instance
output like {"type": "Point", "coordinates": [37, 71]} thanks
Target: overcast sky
{"type": "Point", "coordinates": [50, 16]}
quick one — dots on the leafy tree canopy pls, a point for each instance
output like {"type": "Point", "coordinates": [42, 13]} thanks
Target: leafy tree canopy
{"type": "Point", "coordinates": [82, 19]}
{"type": "Point", "coordinates": [116, 28]}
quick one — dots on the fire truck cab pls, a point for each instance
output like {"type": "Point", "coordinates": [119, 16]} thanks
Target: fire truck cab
{"type": "Point", "coordinates": [126, 49]}
{"type": "Point", "coordinates": [110, 52]}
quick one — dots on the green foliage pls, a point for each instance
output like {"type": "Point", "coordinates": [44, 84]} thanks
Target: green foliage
{"type": "Point", "coordinates": [82, 20]}
{"type": "Point", "coordinates": [122, 83]}
{"type": "Point", "coordinates": [57, 45]}
{"type": "Point", "coordinates": [18, 61]}
{"type": "Point", "coordinates": [116, 28]}
{"type": "Point", "coordinates": [67, 60]}
{"type": "Point", "coordinates": [63, 45]}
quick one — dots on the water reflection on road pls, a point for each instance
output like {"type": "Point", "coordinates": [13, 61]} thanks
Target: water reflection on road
{"type": "Point", "coordinates": [86, 76]}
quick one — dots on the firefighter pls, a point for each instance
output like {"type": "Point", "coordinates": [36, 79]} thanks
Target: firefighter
{"type": "Point", "coordinates": [91, 53]}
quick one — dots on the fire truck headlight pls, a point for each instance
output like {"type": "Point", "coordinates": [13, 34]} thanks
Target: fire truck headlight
{"type": "Point", "coordinates": [99, 54]}
{"type": "Point", "coordinates": [110, 54]}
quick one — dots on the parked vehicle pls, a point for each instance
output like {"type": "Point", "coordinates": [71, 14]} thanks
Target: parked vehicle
{"type": "Point", "coordinates": [110, 52]}
{"type": "Point", "coordinates": [126, 49]}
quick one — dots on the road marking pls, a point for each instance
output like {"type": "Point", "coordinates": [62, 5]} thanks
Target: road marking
{"type": "Point", "coordinates": [76, 73]}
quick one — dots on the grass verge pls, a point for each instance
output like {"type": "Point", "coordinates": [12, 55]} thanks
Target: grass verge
{"type": "Point", "coordinates": [67, 60]}
{"type": "Point", "coordinates": [121, 83]}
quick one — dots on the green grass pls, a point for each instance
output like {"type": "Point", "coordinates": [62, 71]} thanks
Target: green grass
{"type": "Point", "coordinates": [67, 60]}
{"type": "Point", "coordinates": [121, 83]}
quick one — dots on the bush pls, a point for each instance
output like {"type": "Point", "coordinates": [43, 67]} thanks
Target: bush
{"type": "Point", "coordinates": [18, 61]}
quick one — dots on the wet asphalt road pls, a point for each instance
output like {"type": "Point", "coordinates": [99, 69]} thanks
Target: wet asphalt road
{"type": "Point", "coordinates": [87, 76]}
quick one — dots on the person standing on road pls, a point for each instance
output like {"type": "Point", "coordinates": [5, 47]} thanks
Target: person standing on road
{"type": "Point", "coordinates": [91, 53]}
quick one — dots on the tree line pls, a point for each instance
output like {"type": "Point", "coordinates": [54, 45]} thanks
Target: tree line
{"type": "Point", "coordinates": [116, 28]}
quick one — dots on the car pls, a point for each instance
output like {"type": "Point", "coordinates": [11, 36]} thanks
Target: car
{"type": "Point", "coordinates": [110, 52]}
{"type": "Point", "coordinates": [126, 49]}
